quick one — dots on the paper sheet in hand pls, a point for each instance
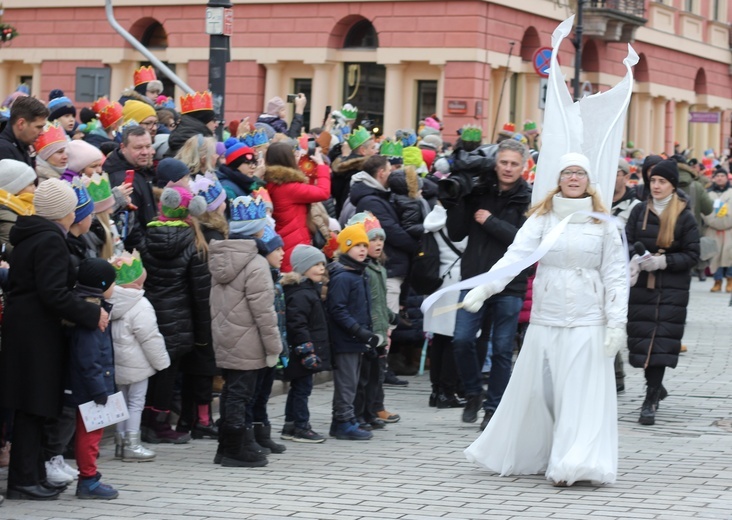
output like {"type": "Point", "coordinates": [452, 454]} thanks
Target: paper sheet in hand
{"type": "Point", "coordinates": [96, 416]}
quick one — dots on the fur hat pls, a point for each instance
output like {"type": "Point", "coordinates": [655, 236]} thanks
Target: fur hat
{"type": "Point", "coordinates": [82, 154]}
{"type": "Point", "coordinates": [667, 169]}
{"type": "Point", "coordinates": [351, 236]}
{"type": "Point", "coordinates": [15, 175]}
{"type": "Point", "coordinates": [54, 199]}
{"type": "Point", "coordinates": [303, 257]}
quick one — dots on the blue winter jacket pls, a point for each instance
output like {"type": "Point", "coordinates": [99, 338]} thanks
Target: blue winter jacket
{"type": "Point", "coordinates": [348, 305]}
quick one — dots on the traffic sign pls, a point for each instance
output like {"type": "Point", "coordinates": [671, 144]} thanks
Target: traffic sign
{"type": "Point", "coordinates": [542, 61]}
{"type": "Point", "coordinates": [543, 86]}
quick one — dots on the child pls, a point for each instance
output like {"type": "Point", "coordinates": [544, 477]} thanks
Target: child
{"type": "Point", "coordinates": [244, 327]}
{"type": "Point", "coordinates": [91, 374]}
{"type": "Point", "coordinates": [406, 187]}
{"type": "Point", "coordinates": [139, 352]}
{"type": "Point", "coordinates": [307, 335]}
{"type": "Point", "coordinates": [351, 334]}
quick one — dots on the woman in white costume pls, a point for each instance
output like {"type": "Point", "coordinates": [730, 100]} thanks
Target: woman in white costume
{"type": "Point", "coordinates": [559, 412]}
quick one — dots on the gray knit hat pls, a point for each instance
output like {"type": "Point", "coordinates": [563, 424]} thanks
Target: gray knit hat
{"type": "Point", "coordinates": [304, 257]}
{"type": "Point", "coordinates": [15, 175]}
{"type": "Point", "coordinates": [54, 199]}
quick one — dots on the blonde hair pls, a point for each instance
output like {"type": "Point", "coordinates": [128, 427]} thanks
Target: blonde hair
{"type": "Point", "coordinates": [545, 206]}
{"type": "Point", "coordinates": [199, 154]}
{"type": "Point", "coordinates": [201, 244]}
{"type": "Point", "coordinates": [667, 221]}
{"type": "Point", "coordinates": [107, 249]}
{"type": "Point", "coordinates": [214, 220]}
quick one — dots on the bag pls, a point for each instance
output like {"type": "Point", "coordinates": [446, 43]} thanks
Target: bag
{"type": "Point", "coordinates": [425, 273]}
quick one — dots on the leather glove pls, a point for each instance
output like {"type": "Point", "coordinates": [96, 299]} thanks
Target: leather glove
{"type": "Point", "coordinates": [101, 400]}
{"type": "Point", "coordinates": [271, 360]}
{"type": "Point", "coordinates": [615, 339]}
{"type": "Point", "coordinates": [654, 263]}
{"type": "Point", "coordinates": [634, 270]}
{"type": "Point", "coordinates": [473, 301]}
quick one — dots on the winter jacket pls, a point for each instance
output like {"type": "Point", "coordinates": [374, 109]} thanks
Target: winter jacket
{"type": "Point", "coordinates": [243, 319]}
{"type": "Point", "coordinates": [622, 207]}
{"type": "Point", "coordinates": [657, 305]}
{"type": "Point", "coordinates": [280, 125]}
{"type": "Point", "coordinates": [719, 226]}
{"type": "Point", "coordinates": [177, 286]}
{"type": "Point", "coordinates": [187, 128]}
{"type": "Point", "coordinates": [98, 137]}
{"type": "Point", "coordinates": [139, 348]}
{"type": "Point", "coordinates": [343, 169]}
{"type": "Point", "coordinates": [34, 352]}
{"type": "Point", "coordinates": [11, 148]}
{"type": "Point", "coordinates": [489, 241]}
{"type": "Point", "coordinates": [306, 322]}
{"type": "Point", "coordinates": [381, 316]}
{"type": "Point", "coordinates": [407, 202]}
{"type": "Point", "coordinates": [12, 206]}
{"type": "Point", "coordinates": [367, 194]}
{"type": "Point", "coordinates": [142, 196]}
{"type": "Point", "coordinates": [699, 201]}
{"type": "Point", "coordinates": [291, 197]}
{"type": "Point", "coordinates": [236, 183]}
{"type": "Point", "coordinates": [90, 373]}
{"type": "Point", "coordinates": [348, 304]}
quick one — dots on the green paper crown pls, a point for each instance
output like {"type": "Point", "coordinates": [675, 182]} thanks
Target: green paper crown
{"type": "Point", "coordinates": [99, 187]}
{"type": "Point", "coordinates": [128, 266]}
{"type": "Point", "coordinates": [349, 112]}
{"type": "Point", "coordinates": [391, 148]}
{"type": "Point", "coordinates": [471, 134]}
{"type": "Point", "coordinates": [529, 126]}
{"type": "Point", "coordinates": [358, 138]}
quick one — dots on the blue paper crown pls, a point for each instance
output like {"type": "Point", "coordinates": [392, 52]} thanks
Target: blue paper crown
{"type": "Point", "coordinates": [256, 138]}
{"type": "Point", "coordinates": [82, 194]}
{"type": "Point", "coordinates": [246, 208]}
{"type": "Point", "coordinates": [407, 137]}
{"type": "Point", "coordinates": [212, 193]}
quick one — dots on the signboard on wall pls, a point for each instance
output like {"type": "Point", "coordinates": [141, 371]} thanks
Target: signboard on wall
{"type": "Point", "coordinates": [457, 107]}
{"type": "Point", "coordinates": [704, 117]}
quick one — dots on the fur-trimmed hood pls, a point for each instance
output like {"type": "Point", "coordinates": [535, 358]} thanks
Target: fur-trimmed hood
{"type": "Point", "coordinates": [282, 174]}
{"type": "Point", "coordinates": [343, 165]}
{"type": "Point", "coordinates": [131, 93]}
{"type": "Point", "coordinates": [291, 278]}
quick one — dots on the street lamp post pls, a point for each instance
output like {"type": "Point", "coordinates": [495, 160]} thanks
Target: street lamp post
{"type": "Point", "coordinates": [219, 25]}
{"type": "Point", "coordinates": [577, 42]}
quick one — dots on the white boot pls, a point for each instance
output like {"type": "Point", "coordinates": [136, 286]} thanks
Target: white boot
{"type": "Point", "coordinates": [133, 451]}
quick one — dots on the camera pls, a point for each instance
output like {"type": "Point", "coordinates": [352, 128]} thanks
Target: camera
{"type": "Point", "coordinates": [368, 124]}
{"type": "Point", "coordinates": [291, 98]}
{"type": "Point", "coordinates": [468, 172]}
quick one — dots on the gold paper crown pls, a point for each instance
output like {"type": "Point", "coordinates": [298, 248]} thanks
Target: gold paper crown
{"type": "Point", "coordinates": [194, 102]}
{"type": "Point", "coordinates": [110, 114]}
{"type": "Point", "coordinates": [52, 133]}
{"type": "Point", "coordinates": [144, 75]}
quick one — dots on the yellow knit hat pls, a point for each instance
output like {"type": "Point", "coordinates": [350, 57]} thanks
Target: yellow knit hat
{"type": "Point", "coordinates": [352, 235]}
{"type": "Point", "coordinates": [137, 111]}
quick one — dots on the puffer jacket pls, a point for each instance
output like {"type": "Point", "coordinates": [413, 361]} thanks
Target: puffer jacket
{"type": "Point", "coordinates": [348, 304]}
{"type": "Point", "coordinates": [243, 318]}
{"type": "Point", "coordinates": [291, 197]}
{"type": "Point", "coordinates": [177, 285]}
{"type": "Point", "coordinates": [343, 169]}
{"type": "Point", "coordinates": [404, 186]}
{"type": "Point", "coordinates": [139, 348]}
{"type": "Point", "coordinates": [381, 315]}
{"type": "Point", "coordinates": [657, 306]}
{"type": "Point", "coordinates": [306, 322]}
{"type": "Point", "coordinates": [187, 128]}
{"type": "Point", "coordinates": [699, 201]}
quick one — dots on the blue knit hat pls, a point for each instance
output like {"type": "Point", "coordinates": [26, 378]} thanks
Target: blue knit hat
{"type": "Point", "coordinates": [271, 240]}
{"type": "Point", "coordinates": [60, 106]}
{"type": "Point", "coordinates": [84, 204]}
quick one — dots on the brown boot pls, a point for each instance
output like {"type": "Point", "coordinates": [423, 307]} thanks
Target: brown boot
{"type": "Point", "coordinates": [718, 286]}
{"type": "Point", "coordinates": [728, 287]}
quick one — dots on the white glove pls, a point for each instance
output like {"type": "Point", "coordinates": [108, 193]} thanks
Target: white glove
{"type": "Point", "coordinates": [271, 360]}
{"type": "Point", "coordinates": [473, 301]}
{"type": "Point", "coordinates": [634, 270]}
{"type": "Point", "coordinates": [654, 263]}
{"type": "Point", "coordinates": [615, 339]}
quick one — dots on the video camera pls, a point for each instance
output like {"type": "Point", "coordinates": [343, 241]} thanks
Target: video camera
{"type": "Point", "coordinates": [469, 171]}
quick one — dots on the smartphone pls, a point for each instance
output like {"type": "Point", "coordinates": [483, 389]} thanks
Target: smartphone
{"type": "Point", "coordinates": [291, 98]}
{"type": "Point", "coordinates": [327, 113]}
{"type": "Point", "coordinates": [129, 176]}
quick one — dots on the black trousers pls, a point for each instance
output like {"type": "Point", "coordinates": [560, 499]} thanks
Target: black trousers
{"type": "Point", "coordinates": [161, 386]}
{"type": "Point", "coordinates": [236, 396]}
{"type": "Point", "coordinates": [195, 390]}
{"type": "Point", "coordinates": [367, 392]}
{"type": "Point", "coordinates": [27, 462]}
{"type": "Point", "coordinates": [443, 373]}
{"type": "Point", "coordinates": [654, 377]}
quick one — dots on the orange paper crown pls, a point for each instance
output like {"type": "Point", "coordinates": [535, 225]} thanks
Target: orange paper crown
{"type": "Point", "coordinates": [194, 102]}
{"type": "Point", "coordinates": [509, 127]}
{"type": "Point", "coordinates": [51, 134]}
{"type": "Point", "coordinates": [100, 103]}
{"type": "Point", "coordinates": [144, 75]}
{"type": "Point", "coordinates": [110, 114]}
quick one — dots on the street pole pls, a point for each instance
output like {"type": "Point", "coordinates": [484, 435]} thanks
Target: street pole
{"type": "Point", "coordinates": [219, 21]}
{"type": "Point", "coordinates": [578, 50]}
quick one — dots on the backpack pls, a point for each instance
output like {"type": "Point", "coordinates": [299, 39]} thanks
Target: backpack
{"type": "Point", "coordinates": [425, 273]}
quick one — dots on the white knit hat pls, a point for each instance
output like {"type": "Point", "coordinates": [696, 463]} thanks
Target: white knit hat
{"type": "Point", "coordinates": [54, 199]}
{"type": "Point", "coordinates": [575, 159]}
{"type": "Point", "coordinates": [15, 175]}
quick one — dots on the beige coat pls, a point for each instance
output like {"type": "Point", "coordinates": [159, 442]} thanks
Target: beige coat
{"type": "Point", "coordinates": [243, 318]}
{"type": "Point", "coordinates": [720, 229]}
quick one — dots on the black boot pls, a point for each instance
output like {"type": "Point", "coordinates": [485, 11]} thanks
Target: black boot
{"type": "Point", "coordinates": [474, 404]}
{"type": "Point", "coordinates": [222, 442]}
{"type": "Point", "coordinates": [650, 405]}
{"type": "Point", "coordinates": [253, 445]}
{"type": "Point", "coordinates": [263, 435]}
{"type": "Point", "coordinates": [235, 451]}
{"type": "Point", "coordinates": [433, 397]}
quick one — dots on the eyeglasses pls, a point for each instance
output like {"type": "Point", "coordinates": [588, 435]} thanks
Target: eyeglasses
{"type": "Point", "coordinates": [149, 124]}
{"type": "Point", "coordinates": [566, 174]}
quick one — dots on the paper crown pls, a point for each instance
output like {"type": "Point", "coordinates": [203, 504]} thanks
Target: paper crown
{"type": "Point", "coordinates": [99, 104]}
{"type": "Point", "coordinates": [331, 246]}
{"type": "Point", "coordinates": [508, 128]}
{"type": "Point", "coordinates": [210, 189]}
{"type": "Point", "coordinates": [263, 194]}
{"type": "Point", "coordinates": [407, 137]}
{"type": "Point", "coordinates": [84, 202]}
{"type": "Point", "coordinates": [128, 267]}
{"type": "Point", "coordinates": [307, 166]}
{"type": "Point", "coordinates": [144, 75]}
{"type": "Point", "coordinates": [248, 208]}
{"type": "Point", "coordinates": [195, 102]}
{"type": "Point", "coordinates": [100, 191]}
{"type": "Point", "coordinates": [110, 114]}
{"type": "Point", "coordinates": [471, 134]}
{"type": "Point", "coordinates": [52, 133]}
{"type": "Point", "coordinates": [530, 127]}
{"type": "Point", "coordinates": [358, 138]}
{"type": "Point", "coordinates": [256, 138]}
{"type": "Point", "coordinates": [89, 127]}
{"type": "Point", "coordinates": [5, 112]}
{"type": "Point", "coordinates": [391, 148]}
{"type": "Point", "coordinates": [349, 112]}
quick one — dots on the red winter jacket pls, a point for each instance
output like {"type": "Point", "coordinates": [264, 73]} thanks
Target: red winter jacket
{"type": "Point", "coordinates": [291, 197]}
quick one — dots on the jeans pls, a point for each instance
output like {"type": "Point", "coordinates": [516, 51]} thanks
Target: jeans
{"type": "Point", "coordinates": [257, 412]}
{"type": "Point", "coordinates": [237, 396]}
{"type": "Point", "coordinates": [722, 272]}
{"type": "Point", "coordinates": [296, 407]}
{"type": "Point", "coordinates": [501, 313]}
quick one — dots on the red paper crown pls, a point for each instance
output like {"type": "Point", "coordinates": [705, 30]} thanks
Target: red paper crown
{"type": "Point", "coordinates": [308, 167]}
{"type": "Point", "coordinates": [331, 246]}
{"type": "Point", "coordinates": [144, 75]}
{"type": "Point", "coordinates": [51, 134]}
{"type": "Point", "coordinates": [509, 127]}
{"type": "Point", "coordinates": [110, 114]}
{"type": "Point", "coordinates": [100, 103]}
{"type": "Point", "coordinates": [195, 102]}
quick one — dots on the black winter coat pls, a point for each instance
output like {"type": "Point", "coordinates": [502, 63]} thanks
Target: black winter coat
{"type": "Point", "coordinates": [116, 166]}
{"type": "Point", "coordinates": [348, 304]}
{"type": "Point", "coordinates": [306, 322]}
{"type": "Point", "coordinates": [657, 313]}
{"type": "Point", "coordinates": [187, 128]}
{"type": "Point", "coordinates": [11, 148]}
{"type": "Point", "coordinates": [488, 242]}
{"type": "Point", "coordinates": [342, 169]}
{"type": "Point", "coordinates": [34, 351]}
{"type": "Point", "coordinates": [178, 286]}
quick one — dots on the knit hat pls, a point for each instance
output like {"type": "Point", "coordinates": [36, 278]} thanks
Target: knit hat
{"type": "Point", "coordinates": [54, 199]}
{"type": "Point", "coordinates": [574, 159]}
{"type": "Point", "coordinates": [15, 175]}
{"type": "Point", "coordinates": [649, 162]}
{"type": "Point", "coordinates": [303, 257]}
{"type": "Point", "coordinates": [210, 189]}
{"type": "Point", "coordinates": [177, 203]}
{"type": "Point", "coordinates": [719, 170]}
{"type": "Point", "coordinates": [371, 224]}
{"type": "Point", "coordinates": [100, 191]}
{"type": "Point", "coordinates": [54, 94]}
{"type": "Point", "coordinates": [138, 111]}
{"type": "Point", "coordinates": [274, 106]}
{"type": "Point", "coordinates": [667, 169]}
{"type": "Point", "coordinates": [237, 152]}
{"type": "Point", "coordinates": [624, 166]}
{"type": "Point", "coordinates": [431, 122]}
{"type": "Point", "coordinates": [51, 140]}
{"type": "Point", "coordinates": [271, 240]}
{"type": "Point", "coordinates": [248, 216]}
{"type": "Point", "coordinates": [129, 268]}
{"type": "Point", "coordinates": [96, 273]}
{"type": "Point", "coordinates": [60, 106]}
{"type": "Point", "coordinates": [413, 156]}
{"type": "Point", "coordinates": [84, 202]}
{"type": "Point", "coordinates": [82, 154]}
{"type": "Point", "coordinates": [171, 171]}
{"type": "Point", "coordinates": [86, 114]}
{"type": "Point", "coordinates": [351, 236]}
{"type": "Point", "coordinates": [431, 141]}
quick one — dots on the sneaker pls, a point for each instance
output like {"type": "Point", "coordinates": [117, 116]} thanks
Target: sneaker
{"type": "Point", "coordinates": [55, 473]}
{"type": "Point", "coordinates": [388, 417]}
{"type": "Point", "coordinates": [364, 425]}
{"type": "Point", "coordinates": [92, 488]}
{"type": "Point", "coordinates": [288, 431]}
{"type": "Point", "coordinates": [350, 431]}
{"type": "Point", "coordinates": [68, 469]}
{"type": "Point", "coordinates": [306, 435]}
{"type": "Point", "coordinates": [392, 380]}
{"type": "Point", "coordinates": [377, 424]}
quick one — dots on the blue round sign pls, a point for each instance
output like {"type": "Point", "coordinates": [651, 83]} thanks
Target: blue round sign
{"type": "Point", "coordinates": [542, 61]}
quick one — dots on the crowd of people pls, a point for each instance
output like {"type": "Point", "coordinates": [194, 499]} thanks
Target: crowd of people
{"type": "Point", "coordinates": [152, 259]}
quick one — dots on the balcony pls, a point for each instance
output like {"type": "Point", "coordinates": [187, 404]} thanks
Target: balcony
{"type": "Point", "coordinates": [613, 20]}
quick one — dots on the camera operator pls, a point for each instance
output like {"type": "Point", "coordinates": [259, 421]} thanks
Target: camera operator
{"type": "Point", "coordinates": [486, 201]}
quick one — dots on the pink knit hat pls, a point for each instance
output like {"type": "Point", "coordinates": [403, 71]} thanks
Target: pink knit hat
{"type": "Point", "coordinates": [274, 106]}
{"type": "Point", "coordinates": [82, 154]}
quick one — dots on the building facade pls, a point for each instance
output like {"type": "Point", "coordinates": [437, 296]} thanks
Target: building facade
{"type": "Point", "coordinates": [468, 61]}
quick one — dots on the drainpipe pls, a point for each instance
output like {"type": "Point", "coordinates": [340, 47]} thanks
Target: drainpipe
{"type": "Point", "coordinates": [144, 51]}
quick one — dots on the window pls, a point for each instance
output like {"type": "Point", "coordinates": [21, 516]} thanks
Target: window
{"type": "Point", "coordinates": [689, 5]}
{"type": "Point", "coordinates": [304, 85]}
{"type": "Point", "coordinates": [426, 100]}
{"type": "Point", "coordinates": [155, 37]}
{"type": "Point", "coordinates": [716, 8]}
{"type": "Point", "coordinates": [361, 36]}
{"type": "Point", "coordinates": [92, 83]}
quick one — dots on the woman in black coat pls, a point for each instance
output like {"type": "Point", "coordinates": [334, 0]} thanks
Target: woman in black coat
{"type": "Point", "coordinates": [666, 228]}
